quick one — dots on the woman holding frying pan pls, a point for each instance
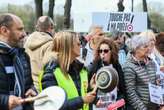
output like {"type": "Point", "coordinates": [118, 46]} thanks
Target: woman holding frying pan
{"type": "Point", "coordinates": [106, 54]}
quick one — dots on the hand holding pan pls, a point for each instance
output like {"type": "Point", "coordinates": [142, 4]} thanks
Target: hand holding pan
{"type": "Point", "coordinates": [106, 79]}
{"type": "Point", "coordinates": [51, 98]}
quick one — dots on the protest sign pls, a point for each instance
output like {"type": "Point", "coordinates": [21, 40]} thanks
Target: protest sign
{"type": "Point", "coordinates": [120, 21]}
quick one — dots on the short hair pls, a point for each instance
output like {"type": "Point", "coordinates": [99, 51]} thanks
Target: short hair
{"type": "Point", "coordinates": [116, 35]}
{"type": "Point", "coordinates": [93, 28]}
{"type": "Point", "coordinates": [43, 23]}
{"type": "Point", "coordinates": [6, 20]}
{"type": "Point", "coordinates": [138, 41]}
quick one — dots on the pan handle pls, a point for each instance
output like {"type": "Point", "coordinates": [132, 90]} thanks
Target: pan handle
{"type": "Point", "coordinates": [31, 99]}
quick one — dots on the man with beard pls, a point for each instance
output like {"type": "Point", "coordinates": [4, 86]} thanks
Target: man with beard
{"type": "Point", "coordinates": [15, 72]}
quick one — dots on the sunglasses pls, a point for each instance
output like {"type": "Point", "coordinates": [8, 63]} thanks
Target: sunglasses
{"type": "Point", "coordinates": [105, 50]}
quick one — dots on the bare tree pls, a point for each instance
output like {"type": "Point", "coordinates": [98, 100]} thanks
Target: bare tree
{"type": "Point", "coordinates": [146, 10]}
{"type": "Point", "coordinates": [38, 7]}
{"type": "Point", "coordinates": [132, 5]}
{"type": "Point", "coordinates": [67, 10]}
{"type": "Point", "coordinates": [51, 8]}
{"type": "Point", "coordinates": [120, 5]}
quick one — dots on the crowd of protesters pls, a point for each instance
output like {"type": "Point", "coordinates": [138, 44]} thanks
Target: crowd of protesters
{"type": "Point", "coordinates": [71, 61]}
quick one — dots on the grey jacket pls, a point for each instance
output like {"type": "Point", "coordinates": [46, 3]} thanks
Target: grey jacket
{"type": "Point", "coordinates": [137, 75]}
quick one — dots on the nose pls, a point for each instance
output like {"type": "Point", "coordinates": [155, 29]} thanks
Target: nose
{"type": "Point", "coordinates": [23, 34]}
{"type": "Point", "coordinates": [102, 55]}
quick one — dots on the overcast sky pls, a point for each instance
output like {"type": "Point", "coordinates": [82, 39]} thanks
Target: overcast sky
{"type": "Point", "coordinates": [87, 5]}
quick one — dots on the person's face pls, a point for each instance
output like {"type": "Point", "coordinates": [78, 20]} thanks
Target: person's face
{"type": "Point", "coordinates": [143, 51]}
{"type": "Point", "coordinates": [76, 47]}
{"type": "Point", "coordinates": [120, 41]}
{"type": "Point", "coordinates": [151, 45]}
{"type": "Point", "coordinates": [51, 29]}
{"type": "Point", "coordinates": [105, 53]}
{"type": "Point", "coordinates": [99, 34]}
{"type": "Point", "coordinates": [16, 33]}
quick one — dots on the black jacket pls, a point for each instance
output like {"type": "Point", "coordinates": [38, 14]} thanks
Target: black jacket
{"type": "Point", "coordinates": [94, 67]}
{"type": "Point", "coordinates": [50, 80]}
{"type": "Point", "coordinates": [7, 79]}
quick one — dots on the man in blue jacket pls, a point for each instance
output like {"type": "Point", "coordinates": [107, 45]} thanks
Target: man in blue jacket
{"type": "Point", "coordinates": [15, 72]}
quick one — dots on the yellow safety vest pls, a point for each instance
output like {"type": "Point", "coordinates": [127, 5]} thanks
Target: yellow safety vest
{"type": "Point", "coordinates": [68, 85]}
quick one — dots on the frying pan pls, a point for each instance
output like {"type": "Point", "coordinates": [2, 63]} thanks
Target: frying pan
{"type": "Point", "coordinates": [106, 79]}
{"type": "Point", "coordinates": [51, 98]}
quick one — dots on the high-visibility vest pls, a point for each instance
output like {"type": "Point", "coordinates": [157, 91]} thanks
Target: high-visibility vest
{"type": "Point", "coordinates": [68, 85]}
{"type": "Point", "coordinates": [40, 80]}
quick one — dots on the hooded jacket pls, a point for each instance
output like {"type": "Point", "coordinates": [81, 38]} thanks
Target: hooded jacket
{"type": "Point", "coordinates": [37, 45]}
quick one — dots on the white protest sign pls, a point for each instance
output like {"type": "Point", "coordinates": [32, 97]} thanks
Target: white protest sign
{"type": "Point", "coordinates": [120, 21]}
{"type": "Point", "coordinates": [156, 94]}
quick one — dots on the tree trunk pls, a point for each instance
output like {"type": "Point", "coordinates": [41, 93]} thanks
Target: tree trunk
{"type": "Point", "coordinates": [146, 10]}
{"type": "Point", "coordinates": [38, 8]}
{"type": "Point", "coordinates": [51, 8]}
{"type": "Point", "coordinates": [120, 5]}
{"type": "Point", "coordinates": [67, 10]}
{"type": "Point", "coordinates": [132, 5]}
{"type": "Point", "coordinates": [144, 6]}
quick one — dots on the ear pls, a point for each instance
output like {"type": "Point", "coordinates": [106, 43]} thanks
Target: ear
{"type": "Point", "coordinates": [4, 29]}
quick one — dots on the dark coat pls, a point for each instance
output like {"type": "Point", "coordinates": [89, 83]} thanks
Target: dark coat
{"type": "Point", "coordinates": [49, 79]}
{"type": "Point", "coordinates": [7, 80]}
{"type": "Point", "coordinates": [94, 67]}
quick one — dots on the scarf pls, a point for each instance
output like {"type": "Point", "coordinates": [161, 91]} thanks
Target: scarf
{"type": "Point", "coordinates": [19, 88]}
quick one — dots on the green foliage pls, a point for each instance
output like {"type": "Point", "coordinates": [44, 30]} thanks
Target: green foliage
{"type": "Point", "coordinates": [59, 19]}
{"type": "Point", "coordinates": [157, 20]}
{"type": "Point", "coordinates": [155, 12]}
{"type": "Point", "coordinates": [26, 13]}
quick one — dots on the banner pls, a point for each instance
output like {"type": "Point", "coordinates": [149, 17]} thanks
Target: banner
{"type": "Point", "coordinates": [120, 21]}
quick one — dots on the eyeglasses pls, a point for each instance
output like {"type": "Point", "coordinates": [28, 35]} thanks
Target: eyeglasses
{"type": "Point", "coordinates": [105, 50]}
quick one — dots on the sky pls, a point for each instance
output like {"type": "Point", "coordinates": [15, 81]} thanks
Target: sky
{"type": "Point", "coordinates": [86, 5]}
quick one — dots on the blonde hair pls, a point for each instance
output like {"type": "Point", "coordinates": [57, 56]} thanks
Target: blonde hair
{"type": "Point", "coordinates": [63, 45]}
{"type": "Point", "coordinates": [93, 29]}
